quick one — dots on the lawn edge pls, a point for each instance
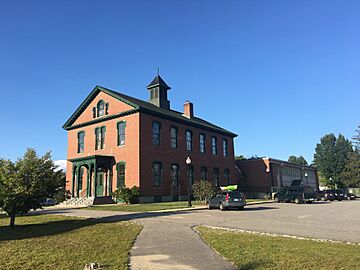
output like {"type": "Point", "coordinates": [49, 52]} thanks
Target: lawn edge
{"type": "Point", "coordinates": [319, 240]}
{"type": "Point", "coordinates": [133, 243]}
{"type": "Point", "coordinates": [194, 228]}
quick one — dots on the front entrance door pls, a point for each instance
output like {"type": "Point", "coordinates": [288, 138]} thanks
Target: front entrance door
{"type": "Point", "coordinates": [100, 184]}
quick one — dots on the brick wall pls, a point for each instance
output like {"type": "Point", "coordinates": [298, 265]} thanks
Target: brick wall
{"type": "Point", "coordinates": [167, 155]}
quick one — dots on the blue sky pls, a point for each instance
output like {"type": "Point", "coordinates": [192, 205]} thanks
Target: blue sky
{"type": "Point", "coordinates": [281, 74]}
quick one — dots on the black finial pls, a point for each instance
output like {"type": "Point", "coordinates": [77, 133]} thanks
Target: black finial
{"type": "Point", "coordinates": [158, 71]}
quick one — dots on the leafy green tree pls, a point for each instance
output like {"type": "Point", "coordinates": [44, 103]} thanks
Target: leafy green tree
{"type": "Point", "coordinates": [202, 190]}
{"type": "Point", "coordinates": [128, 195]}
{"type": "Point", "coordinates": [331, 155]}
{"type": "Point", "coordinates": [351, 174]}
{"type": "Point", "coordinates": [298, 160]}
{"type": "Point", "coordinates": [26, 183]}
{"type": "Point", "coordinates": [241, 157]}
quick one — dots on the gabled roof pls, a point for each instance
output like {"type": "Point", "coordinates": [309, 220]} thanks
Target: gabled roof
{"type": "Point", "coordinates": [158, 81]}
{"type": "Point", "coordinates": [146, 107]}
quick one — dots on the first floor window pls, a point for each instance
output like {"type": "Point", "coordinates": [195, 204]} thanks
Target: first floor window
{"type": "Point", "coordinates": [157, 174]}
{"type": "Point", "coordinates": [204, 173]}
{"type": "Point", "coordinates": [120, 183]}
{"type": "Point", "coordinates": [81, 137]}
{"type": "Point", "coordinates": [227, 176]}
{"type": "Point", "coordinates": [216, 177]}
{"type": "Point", "coordinates": [175, 175]}
{"type": "Point", "coordinates": [121, 133]}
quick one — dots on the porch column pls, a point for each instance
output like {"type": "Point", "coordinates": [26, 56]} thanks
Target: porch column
{"type": "Point", "coordinates": [73, 182]}
{"type": "Point", "coordinates": [95, 175]}
{"type": "Point", "coordinates": [78, 181]}
{"type": "Point", "coordinates": [88, 179]}
{"type": "Point", "coordinates": [110, 180]}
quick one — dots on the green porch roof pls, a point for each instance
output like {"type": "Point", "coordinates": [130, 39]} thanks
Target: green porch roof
{"type": "Point", "coordinates": [146, 107]}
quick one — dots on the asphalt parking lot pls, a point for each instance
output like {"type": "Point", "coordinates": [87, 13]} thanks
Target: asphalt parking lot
{"type": "Point", "coordinates": [322, 220]}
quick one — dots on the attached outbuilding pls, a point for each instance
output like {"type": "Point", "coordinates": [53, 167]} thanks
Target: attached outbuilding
{"type": "Point", "coordinates": [261, 176]}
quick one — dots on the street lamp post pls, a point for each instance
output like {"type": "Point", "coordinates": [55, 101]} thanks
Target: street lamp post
{"type": "Point", "coordinates": [306, 177]}
{"type": "Point", "coordinates": [188, 163]}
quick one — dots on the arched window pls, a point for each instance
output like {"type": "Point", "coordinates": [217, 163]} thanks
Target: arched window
{"type": "Point", "coordinates": [100, 108]}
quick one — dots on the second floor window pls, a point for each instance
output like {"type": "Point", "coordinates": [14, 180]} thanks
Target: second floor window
{"type": "Point", "coordinates": [81, 138]}
{"type": "Point", "coordinates": [157, 174]}
{"type": "Point", "coordinates": [214, 146]}
{"type": "Point", "coordinates": [188, 136]}
{"type": "Point", "coordinates": [202, 143]}
{"type": "Point", "coordinates": [156, 133]}
{"type": "Point", "coordinates": [100, 138]}
{"type": "Point", "coordinates": [121, 133]}
{"type": "Point", "coordinates": [173, 137]}
{"type": "Point", "coordinates": [203, 173]}
{"type": "Point", "coordinates": [225, 148]}
{"type": "Point", "coordinates": [175, 175]}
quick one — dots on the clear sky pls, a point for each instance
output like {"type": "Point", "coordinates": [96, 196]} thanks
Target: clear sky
{"type": "Point", "coordinates": [281, 74]}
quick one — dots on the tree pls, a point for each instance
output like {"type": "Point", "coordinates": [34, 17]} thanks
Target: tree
{"type": "Point", "coordinates": [128, 195]}
{"type": "Point", "coordinates": [331, 155]}
{"type": "Point", "coordinates": [202, 190]}
{"type": "Point", "coordinates": [298, 160]}
{"type": "Point", "coordinates": [241, 157]}
{"type": "Point", "coordinates": [351, 174]}
{"type": "Point", "coordinates": [26, 183]}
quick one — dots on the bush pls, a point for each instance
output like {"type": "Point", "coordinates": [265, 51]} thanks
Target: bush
{"type": "Point", "coordinates": [202, 190]}
{"type": "Point", "coordinates": [128, 195]}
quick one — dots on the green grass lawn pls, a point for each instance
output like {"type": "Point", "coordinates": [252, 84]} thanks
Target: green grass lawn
{"type": "Point", "coordinates": [145, 207]}
{"type": "Point", "coordinates": [249, 251]}
{"type": "Point", "coordinates": [57, 242]}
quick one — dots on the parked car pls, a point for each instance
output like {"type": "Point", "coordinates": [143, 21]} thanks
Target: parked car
{"type": "Point", "coordinates": [349, 196]}
{"type": "Point", "coordinates": [297, 194]}
{"type": "Point", "coordinates": [48, 202]}
{"type": "Point", "coordinates": [326, 195]}
{"type": "Point", "coordinates": [332, 195]}
{"type": "Point", "coordinates": [227, 199]}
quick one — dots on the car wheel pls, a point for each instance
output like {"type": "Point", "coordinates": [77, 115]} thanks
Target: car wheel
{"type": "Point", "coordinates": [208, 206]}
{"type": "Point", "coordinates": [276, 199]}
{"type": "Point", "coordinates": [297, 200]}
{"type": "Point", "coordinates": [241, 208]}
{"type": "Point", "coordinates": [349, 198]}
{"type": "Point", "coordinates": [323, 199]}
{"type": "Point", "coordinates": [222, 207]}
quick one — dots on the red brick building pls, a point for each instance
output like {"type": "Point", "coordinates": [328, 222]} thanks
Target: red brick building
{"type": "Point", "coordinates": [115, 140]}
{"type": "Point", "coordinates": [260, 176]}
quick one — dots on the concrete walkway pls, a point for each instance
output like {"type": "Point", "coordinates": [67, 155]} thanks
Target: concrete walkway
{"type": "Point", "coordinates": [164, 242]}
{"type": "Point", "coordinates": [170, 245]}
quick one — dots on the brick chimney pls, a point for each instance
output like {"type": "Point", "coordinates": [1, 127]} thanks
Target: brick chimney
{"type": "Point", "coordinates": [188, 109]}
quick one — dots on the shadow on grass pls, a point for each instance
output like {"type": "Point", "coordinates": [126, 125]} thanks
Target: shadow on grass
{"type": "Point", "coordinates": [252, 265]}
{"type": "Point", "coordinates": [55, 227]}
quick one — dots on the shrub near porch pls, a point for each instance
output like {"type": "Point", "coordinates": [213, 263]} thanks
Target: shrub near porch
{"type": "Point", "coordinates": [57, 242]}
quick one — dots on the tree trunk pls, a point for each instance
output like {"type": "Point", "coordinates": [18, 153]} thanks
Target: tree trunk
{"type": "Point", "coordinates": [12, 220]}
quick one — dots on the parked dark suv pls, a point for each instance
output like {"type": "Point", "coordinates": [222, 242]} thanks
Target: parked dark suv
{"type": "Point", "coordinates": [227, 199]}
{"type": "Point", "coordinates": [297, 194]}
{"type": "Point", "coordinates": [332, 195]}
